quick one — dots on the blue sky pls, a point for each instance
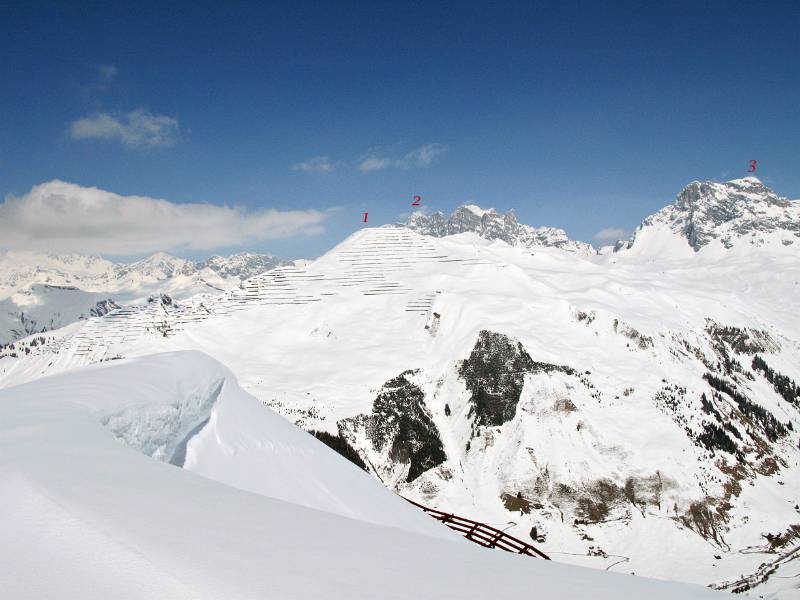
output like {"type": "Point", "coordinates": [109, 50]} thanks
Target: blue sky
{"type": "Point", "coordinates": [580, 116]}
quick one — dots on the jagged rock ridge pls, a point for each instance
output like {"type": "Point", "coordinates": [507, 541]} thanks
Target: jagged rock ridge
{"type": "Point", "coordinates": [731, 211]}
{"type": "Point", "coordinates": [491, 225]}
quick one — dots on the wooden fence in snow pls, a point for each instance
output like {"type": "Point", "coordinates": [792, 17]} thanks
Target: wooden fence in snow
{"type": "Point", "coordinates": [481, 533]}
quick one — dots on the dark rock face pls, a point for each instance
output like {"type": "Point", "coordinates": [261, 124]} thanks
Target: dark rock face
{"type": "Point", "coordinates": [401, 424]}
{"type": "Point", "coordinates": [495, 373]}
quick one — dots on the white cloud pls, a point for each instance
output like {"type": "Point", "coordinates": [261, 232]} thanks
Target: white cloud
{"type": "Point", "coordinates": [137, 128]}
{"type": "Point", "coordinates": [318, 164]}
{"type": "Point", "coordinates": [611, 234]}
{"type": "Point", "coordinates": [64, 217]}
{"type": "Point", "coordinates": [374, 163]}
{"type": "Point", "coordinates": [421, 157]}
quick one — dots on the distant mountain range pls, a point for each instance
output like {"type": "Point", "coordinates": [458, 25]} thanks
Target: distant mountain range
{"type": "Point", "coordinates": [40, 292]}
{"type": "Point", "coordinates": [74, 286]}
{"type": "Point", "coordinates": [703, 212]}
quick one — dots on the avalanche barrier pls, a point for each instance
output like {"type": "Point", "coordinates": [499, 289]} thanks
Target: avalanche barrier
{"type": "Point", "coordinates": [481, 533]}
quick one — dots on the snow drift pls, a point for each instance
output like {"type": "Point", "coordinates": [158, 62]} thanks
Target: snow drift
{"type": "Point", "coordinates": [88, 511]}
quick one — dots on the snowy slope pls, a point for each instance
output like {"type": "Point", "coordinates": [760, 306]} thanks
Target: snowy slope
{"type": "Point", "coordinates": [615, 403]}
{"type": "Point", "coordinates": [91, 510]}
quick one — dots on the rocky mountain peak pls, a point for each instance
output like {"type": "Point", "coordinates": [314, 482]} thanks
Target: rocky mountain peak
{"type": "Point", "coordinates": [158, 266]}
{"type": "Point", "coordinates": [730, 211]}
{"type": "Point", "coordinates": [242, 265]}
{"type": "Point", "coordinates": [490, 224]}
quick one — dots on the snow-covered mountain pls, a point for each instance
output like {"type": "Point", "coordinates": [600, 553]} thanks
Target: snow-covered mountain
{"type": "Point", "coordinates": [41, 307]}
{"type": "Point", "coordinates": [491, 225]}
{"type": "Point", "coordinates": [241, 266]}
{"type": "Point", "coordinates": [637, 411]}
{"type": "Point", "coordinates": [20, 269]}
{"type": "Point", "coordinates": [721, 215]}
{"type": "Point", "coordinates": [157, 267]}
{"type": "Point", "coordinates": [39, 291]}
{"type": "Point", "coordinates": [161, 266]}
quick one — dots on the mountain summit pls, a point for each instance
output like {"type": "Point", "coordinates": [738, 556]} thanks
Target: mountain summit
{"type": "Point", "coordinates": [706, 212]}
{"type": "Point", "coordinates": [490, 224]}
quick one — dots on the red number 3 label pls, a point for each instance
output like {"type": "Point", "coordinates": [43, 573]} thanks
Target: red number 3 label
{"type": "Point", "coordinates": [416, 201]}
{"type": "Point", "coordinates": [752, 168]}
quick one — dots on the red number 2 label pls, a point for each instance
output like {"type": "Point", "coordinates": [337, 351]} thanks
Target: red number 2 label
{"type": "Point", "coordinates": [416, 201]}
{"type": "Point", "coordinates": [752, 168]}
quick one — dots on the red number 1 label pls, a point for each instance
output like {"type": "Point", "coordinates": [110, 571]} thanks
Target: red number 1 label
{"type": "Point", "coordinates": [752, 168]}
{"type": "Point", "coordinates": [365, 217]}
{"type": "Point", "coordinates": [416, 201]}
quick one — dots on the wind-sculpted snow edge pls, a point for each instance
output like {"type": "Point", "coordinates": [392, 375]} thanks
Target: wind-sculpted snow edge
{"type": "Point", "coordinates": [88, 516]}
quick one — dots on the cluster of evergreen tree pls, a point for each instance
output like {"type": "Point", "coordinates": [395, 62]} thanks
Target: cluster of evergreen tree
{"type": "Point", "coordinates": [710, 409]}
{"type": "Point", "coordinates": [715, 438]}
{"type": "Point", "coordinates": [743, 341]}
{"type": "Point", "coordinates": [787, 388]}
{"type": "Point", "coordinates": [22, 346]}
{"type": "Point", "coordinates": [772, 428]}
{"type": "Point", "coordinates": [340, 445]}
